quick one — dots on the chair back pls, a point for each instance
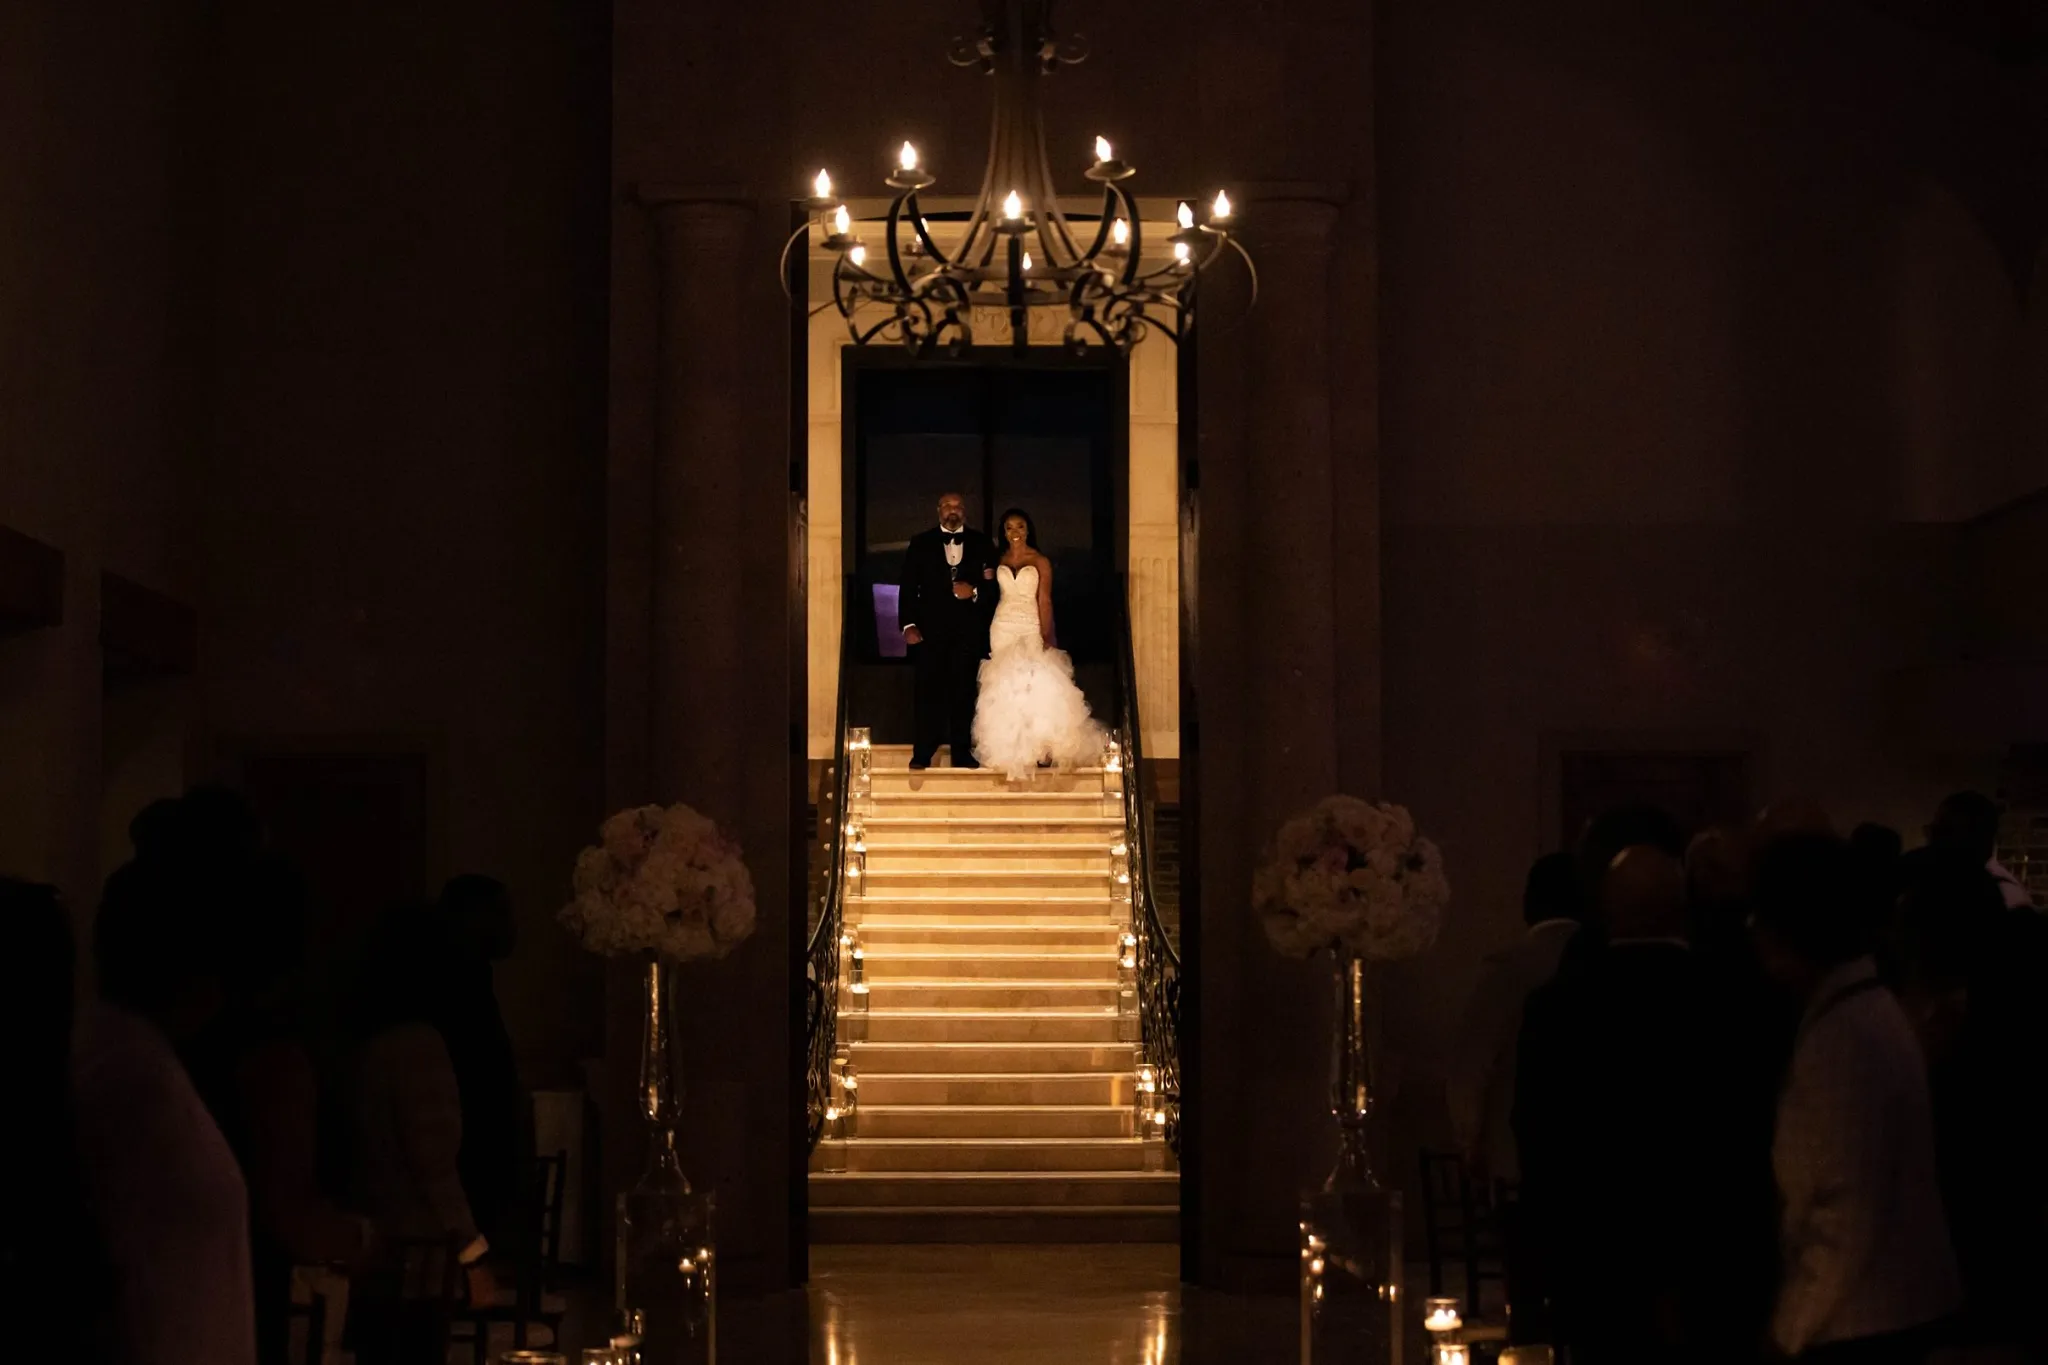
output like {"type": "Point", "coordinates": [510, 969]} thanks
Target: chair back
{"type": "Point", "coordinates": [550, 1189]}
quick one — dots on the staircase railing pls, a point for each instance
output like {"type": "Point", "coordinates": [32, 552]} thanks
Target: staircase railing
{"type": "Point", "coordinates": [821, 984]}
{"type": "Point", "coordinates": [1158, 965]}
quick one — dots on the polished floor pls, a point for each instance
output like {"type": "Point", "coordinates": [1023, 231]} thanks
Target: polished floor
{"type": "Point", "coordinates": [935, 1305]}
{"type": "Point", "coordinates": [999, 1305]}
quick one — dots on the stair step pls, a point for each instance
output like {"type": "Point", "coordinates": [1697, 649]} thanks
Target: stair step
{"type": "Point", "coordinates": [1012, 857]}
{"type": "Point", "coordinates": [1088, 831]}
{"type": "Point", "coordinates": [1021, 1058]}
{"type": "Point", "coordinates": [969, 964]}
{"type": "Point", "coordinates": [994, 1154]}
{"type": "Point", "coordinates": [951, 908]}
{"type": "Point", "coordinates": [1070, 1226]}
{"type": "Point", "coordinates": [889, 996]}
{"type": "Point", "coordinates": [887, 937]}
{"type": "Point", "coordinates": [997, 1089]}
{"type": "Point", "coordinates": [975, 882]}
{"type": "Point", "coordinates": [995, 1189]}
{"type": "Point", "coordinates": [981, 1027]}
{"type": "Point", "coordinates": [977, 804]}
{"type": "Point", "coordinates": [947, 781]}
{"type": "Point", "coordinates": [993, 1120]}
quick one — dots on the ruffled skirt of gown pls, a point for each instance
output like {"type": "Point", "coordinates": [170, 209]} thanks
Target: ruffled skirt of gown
{"type": "Point", "coordinates": [1029, 710]}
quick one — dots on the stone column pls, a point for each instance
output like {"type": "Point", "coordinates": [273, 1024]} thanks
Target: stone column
{"type": "Point", "coordinates": [700, 650]}
{"type": "Point", "coordinates": [1271, 541]}
{"type": "Point", "coordinates": [716, 730]}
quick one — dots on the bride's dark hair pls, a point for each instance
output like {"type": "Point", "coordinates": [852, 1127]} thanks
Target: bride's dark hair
{"type": "Point", "coordinates": [1030, 528]}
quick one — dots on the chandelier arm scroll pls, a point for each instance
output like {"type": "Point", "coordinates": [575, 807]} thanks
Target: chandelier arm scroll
{"type": "Point", "coordinates": [782, 266]}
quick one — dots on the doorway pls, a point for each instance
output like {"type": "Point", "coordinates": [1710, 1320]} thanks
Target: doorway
{"type": "Point", "coordinates": [1045, 433]}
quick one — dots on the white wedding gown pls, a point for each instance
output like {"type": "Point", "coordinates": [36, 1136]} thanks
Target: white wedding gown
{"type": "Point", "coordinates": [1029, 711]}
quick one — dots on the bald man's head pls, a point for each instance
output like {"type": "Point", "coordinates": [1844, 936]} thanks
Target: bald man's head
{"type": "Point", "coordinates": [1644, 894]}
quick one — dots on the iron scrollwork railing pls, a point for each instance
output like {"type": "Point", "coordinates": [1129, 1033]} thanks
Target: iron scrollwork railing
{"type": "Point", "coordinates": [821, 984]}
{"type": "Point", "coordinates": [1158, 965]}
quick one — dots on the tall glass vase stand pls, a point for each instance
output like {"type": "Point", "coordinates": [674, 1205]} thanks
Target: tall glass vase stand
{"type": "Point", "coordinates": [1351, 1254]}
{"type": "Point", "coordinates": [667, 1300]}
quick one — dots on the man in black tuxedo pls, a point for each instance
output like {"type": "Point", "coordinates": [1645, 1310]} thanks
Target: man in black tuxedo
{"type": "Point", "coordinates": [1629, 1119]}
{"type": "Point", "coordinates": [948, 595]}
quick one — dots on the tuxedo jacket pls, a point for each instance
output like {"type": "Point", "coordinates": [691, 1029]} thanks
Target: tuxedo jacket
{"type": "Point", "coordinates": [927, 600]}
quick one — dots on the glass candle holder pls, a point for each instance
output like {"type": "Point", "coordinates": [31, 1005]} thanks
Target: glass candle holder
{"type": "Point", "coordinates": [1441, 1315]}
{"type": "Point", "coordinates": [860, 763]}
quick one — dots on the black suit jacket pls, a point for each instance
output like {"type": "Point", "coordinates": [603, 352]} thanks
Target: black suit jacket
{"type": "Point", "coordinates": [928, 602]}
{"type": "Point", "coordinates": [1629, 1116]}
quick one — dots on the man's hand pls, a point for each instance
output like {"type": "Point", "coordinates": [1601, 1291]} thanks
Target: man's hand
{"type": "Point", "coordinates": [964, 591]}
{"type": "Point", "coordinates": [912, 635]}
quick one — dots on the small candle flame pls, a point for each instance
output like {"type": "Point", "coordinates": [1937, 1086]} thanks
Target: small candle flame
{"type": "Point", "coordinates": [1186, 214]}
{"type": "Point", "coordinates": [842, 221]}
{"type": "Point", "coordinates": [1120, 232]}
{"type": "Point", "coordinates": [1180, 251]}
{"type": "Point", "coordinates": [859, 255]}
{"type": "Point", "coordinates": [1102, 150]}
{"type": "Point", "coordinates": [1013, 206]}
{"type": "Point", "coordinates": [1027, 260]}
{"type": "Point", "coordinates": [1221, 208]}
{"type": "Point", "coordinates": [907, 158]}
{"type": "Point", "coordinates": [822, 186]}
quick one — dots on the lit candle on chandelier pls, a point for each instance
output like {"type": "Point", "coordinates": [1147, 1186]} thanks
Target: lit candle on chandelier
{"type": "Point", "coordinates": [821, 188]}
{"type": "Point", "coordinates": [1103, 153]}
{"type": "Point", "coordinates": [1220, 210]}
{"type": "Point", "coordinates": [907, 158]}
{"type": "Point", "coordinates": [1013, 206]}
{"type": "Point", "coordinates": [842, 222]}
{"type": "Point", "coordinates": [1120, 234]}
{"type": "Point", "coordinates": [1185, 215]}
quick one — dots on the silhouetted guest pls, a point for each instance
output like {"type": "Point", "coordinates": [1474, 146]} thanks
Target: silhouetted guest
{"type": "Point", "coordinates": [407, 1114]}
{"type": "Point", "coordinates": [1605, 838]}
{"type": "Point", "coordinates": [1623, 1155]}
{"type": "Point", "coordinates": [1868, 1274]}
{"type": "Point", "coordinates": [1966, 824]}
{"type": "Point", "coordinates": [1717, 888]}
{"type": "Point", "coordinates": [255, 1071]}
{"type": "Point", "coordinates": [55, 1282]}
{"type": "Point", "coordinates": [1972, 984]}
{"type": "Point", "coordinates": [172, 1205]}
{"type": "Point", "coordinates": [1757, 1025]}
{"type": "Point", "coordinates": [477, 930]}
{"type": "Point", "coordinates": [1482, 1083]}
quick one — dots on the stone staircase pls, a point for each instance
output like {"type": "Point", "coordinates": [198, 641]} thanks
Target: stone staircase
{"type": "Point", "coordinates": [995, 1100]}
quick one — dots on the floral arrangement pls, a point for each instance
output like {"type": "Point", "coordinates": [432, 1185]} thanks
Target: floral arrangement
{"type": "Point", "coordinates": [663, 881]}
{"type": "Point", "coordinates": [1351, 876]}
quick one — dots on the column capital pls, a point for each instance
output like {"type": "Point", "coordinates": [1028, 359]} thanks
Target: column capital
{"type": "Point", "coordinates": [1292, 216]}
{"type": "Point", "coordinates": [709, 210]}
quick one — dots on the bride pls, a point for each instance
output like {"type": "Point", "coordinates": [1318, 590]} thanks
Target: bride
{"type": "Point", "coordinates": [1029, 714]}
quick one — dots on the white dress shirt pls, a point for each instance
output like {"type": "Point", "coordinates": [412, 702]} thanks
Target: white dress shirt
{"type": "Point", "coordinates": [1482, 1079]}
{"type": "Point", "coordinates": [171, 1202]}
{"type": "Point", "coordinates": [1866, 1247]}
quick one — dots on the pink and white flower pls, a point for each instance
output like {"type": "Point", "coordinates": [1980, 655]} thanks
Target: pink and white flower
{"type": "Point", "coordinates": [1351, 876]}
{"type": "Point", "coordinates": [664, 881]}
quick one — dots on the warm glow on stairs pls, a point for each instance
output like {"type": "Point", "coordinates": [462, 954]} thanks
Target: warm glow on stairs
{"type": "Point", "coordinates": [997, 1078]}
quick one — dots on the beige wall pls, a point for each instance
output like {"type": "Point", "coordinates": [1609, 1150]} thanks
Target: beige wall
{"type": "Point", "coordinates": [1679, 416]}
{"type": "Point", "coordinates": [403, 518]}
{"type": "Point", "coordinates": [92, 100]}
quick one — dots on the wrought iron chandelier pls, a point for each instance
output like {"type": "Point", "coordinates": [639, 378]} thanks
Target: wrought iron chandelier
{"type": "Point", "coordinates": [1019, 251]}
